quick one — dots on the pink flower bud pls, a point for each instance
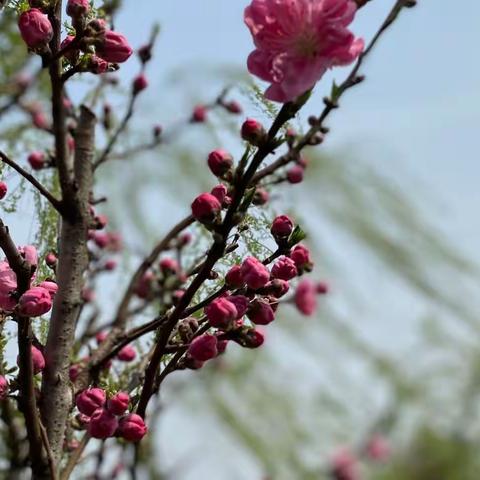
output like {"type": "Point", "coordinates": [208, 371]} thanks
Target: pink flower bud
{"type": "Point", "coordinates": [110, 265]}
{"type": "Point", "coordinates": [284, 269]}
{"type": "Point", "coordinates": [203, 348]}
{"type": "Point", "coordinates": [51, 287]}
{"type": "Point", "coordinates": [97, 65]}
{"type": "Point", "coordinates": [301, 256]}
{"type": "Point", "coordinates": [51, 259]}
{"type": "Point", "coordinates": [344, 466]}
{"type": "Point", "coordinates": [3, 190]}
{"type": "Point", "coordinates": [251, 338]}
{"type": "Point", "coordinates": [36, 160]}
{"type": "Point", "coordinates": [132, 428]}
{"type": "Point", "coordinates": [140, 83]}
{"type": "Point", "coordinates": [234, 277]}
{"type": "Point", "coordinates": [169, 266]}
{"type": "Point", "coordinates": [118, 404]}
{"type": "Point", "coordinates": [199, 114]}
{"type": "Point", "coordinates": [282, 227]}
{"type": "Point", "coordinates": [8, 284]}
{"type": "Point", "coordinates": [3, 387]}
{"type": "Point", "coordinates": [77, 8]}
{"type": "Point", "coordinates": [234, 107]}
{"type": "Point", "coordinates": [40, 120]}
{"type": "Point", "coordinates": [261, 313]}
{"type": "Point", "coordinates": [74, 372]}
{"type": "Point", "coordinates": [277, 287]}
{"type": "Point", "coordinates": [34, 302]}
{"type": "Point", "coordinates": [253, 132]}
{"type": "Point", "coordinates": [101, 337]}
{"type": "Point", "coordinates": [103, 424]}
{"type": "Point", "coordinates": [221, 313]}
{"type": "Point", "coordinates": [220, 162]}
{"type": "Point", "coordinates": [322, 288]}
{"type": "Point", "coordinates": [205, 208]}
{"type": "Point", "coordinates": [241, 304]}
{"type": "Point", "coordinates": [261, 197]}
{"type": "Point", "coordinates": [101, 221]}
{"type": "Point", "coordinates": [127, 354]}
{"type": "Point", "coordinates": [35, 28]}
{"type": "Point", "coordinates": [38, 361]}
{"type": "Point", "coordinates": [220, 193]}
{"type": "Point", "coordinates": [255, 274]}
{"type": "Point", "coordinates": [114, 48]}
{"type": "Point", "coordinates": [90, 400]}
{"type": "Point", "coordinates": [30, 254]}
{"type": "Point", "coordinates": [378, 448]}
{"type": "Point", "coordinates": [305, 297]}
{"type": "Point", "coordinates": [295, 174]}
{"type": "Point", "coordinates": [70, 54]}
{"type": "Point", "coordinates": [145, 285]}
{"type": "Point", "coordinates": [221, 346]}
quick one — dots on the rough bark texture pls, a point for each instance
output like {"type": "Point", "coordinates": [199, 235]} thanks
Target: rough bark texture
{"type": "Point", "coordinates": [72, 264]}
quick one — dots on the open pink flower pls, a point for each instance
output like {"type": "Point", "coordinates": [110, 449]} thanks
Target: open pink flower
{"type": "Point", "coordinates": [297, 41]}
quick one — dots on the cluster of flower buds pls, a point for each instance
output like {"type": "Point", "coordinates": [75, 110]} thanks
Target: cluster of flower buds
{"type": "Point", "coordinates": [106, 418]}
{"type": "Point", "coordinates": [37, 300]}
{"type": "Point", "coordinates": [94, 47]}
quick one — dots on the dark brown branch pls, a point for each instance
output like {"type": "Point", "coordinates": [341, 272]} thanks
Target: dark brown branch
{"type": "Point", "coordinates": [57, 204]}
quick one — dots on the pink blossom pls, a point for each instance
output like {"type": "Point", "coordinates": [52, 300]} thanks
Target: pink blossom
{"type": "Point", "coordinates": [203, 348]}
{"type": "Point", "coordinates": [103, 424]}
{"type": "Point", "coordinates": [3, 387]}
{"type": "Point", "coordinates": [127, 354]}
{"type": "Point", "coordinates": [35, 28]}
{"type": "Point", "coordinates": [169, 265]}
{"type": "Point", "coordinates": [255, 273]}
{"type": "Point", "coordinates": [8, 284]}
{"type": "Point", "coordinates": [344, 465]}
{"type": "Point", "coordinates": [199, 114]}
{"type": "Point", "coordinates": [295, 174]}
{"type": "Point", "coordinates": [378, 448]}
{"type": "Point", "coordinates": [144, 285]}
{"type": "Point", "coordinates": [30, 254]}
{"type": "Point", "coordinates": [114, 48]}
{"type": "Point", "coordinates": [90, 400]}
{"type": "Point", "coordinates": [220, 192]}
{"type": "Point", "coordinates": [36, 160]}
{"type": "Point", "coordinates": [221, 313]}
{"type": "Point", "coordinates": [301, 256]}
{"type": "Point", "coordinates": [132, 428]}
{"type": "Point", "coordinates": [118, 404]}
{"type": "Point", "coordinates": [3, 190]}
{"type": "Point", "coordinates": [140, 83]}
{"type": "Point", "coordinates": [51, 259]}
{"type": "Point", "coordinates": [253, 131]}
{"type": "Point", "coordinates": [101, 337]}
{"type": "Point", "coordinates": [50, 286]}
{"type": "Point", "coordinates": [297, 41]}
{"type": "Point", "coordinates": [305, 297]}
{"type": "Point", "coordinates": [35, 302]}
{"type": "Point", "coordinates": [241, 304]}
{"type": "Point", "coordinates": [284, 269]}
{"type": "Point", "coordinates": [261, 197]}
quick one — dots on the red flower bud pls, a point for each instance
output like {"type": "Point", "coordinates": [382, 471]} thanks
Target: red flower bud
{"type": "Point", "coordinates": [90, 400]}
{"type": "Point", "coordinates": [322, 288]}
{"type": "Point", "coordinates": [255, 274]}
{"type": "Point", "coordinates": [101, 337]}
{"type": "Point", "coordinates": [206, 207]}
{"type": "Point", "coordinates": [110, 265]}
{"type": "Point", "coordinates": [260, 197]}
{"type": "Point", "coordinates": [282, 227]}
{"type": "Point", "coordinates": [295, 174]}
{"type": "Point", "coordinates": [253, 132]}
{"type": "Point", "coordinates": [277, 288]}
{"type": "Point", "coordinates": [114, 48]}
{"type": "Point", "coordinates": [233, 107]}
{"type": "Point", "coordinates": [140, 83]}
{"type": "Point", "coordinates": [3, 190]}
{"type": "Point", "coordinates": [241, 304]}
{"type": "Point", "coordinates": [77, 8]}
{"type": "Point", "coordinates": [36, 160]}
{"type": "Point", "coordinates": [199, 114]}
{"type": "Point", "coordinates": [38, 361]}
{"type": "Point", "coordinates": [127, 354]}
{"type": "Point", "coordinates": [261, 313]}
{"type": "Point", "coordinates": [251, 338]}
{"type": "Point", "coordinates": [103, 424]}
{"type": "Point", "coordinates": [221, 313]}
{"type": "Point", "coordinates": [97, 65]}
{"type": "Point", "coordinates": [132, 428]}
{"type": "Point", "coordinates": [145, 285]}
{"type": "Point", "coordinates": [234, 277]}
{"type": "Point", "coordinates": [220, 162]}
{"type": "Point", "coordinates": [51, 259]}
{"type": "Point", "coordinates": [284, 269]}
{"type": "Point", "coordinates": [169, 266]}
{"type": "Point", "coordinates": [50, 286]}
{"type": "Point", "coordinates": [305, 297]}
{"type": "Point", "coordinates": [118, 404]}
{"type": "Point", "coordinates": [301, 256]}
{"type": "Point", "coordinates": [220, 193]}
{"type": "Point", "coordinates": [203, 348]}
{"type": "Point", "coordinates": [35, 28]}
